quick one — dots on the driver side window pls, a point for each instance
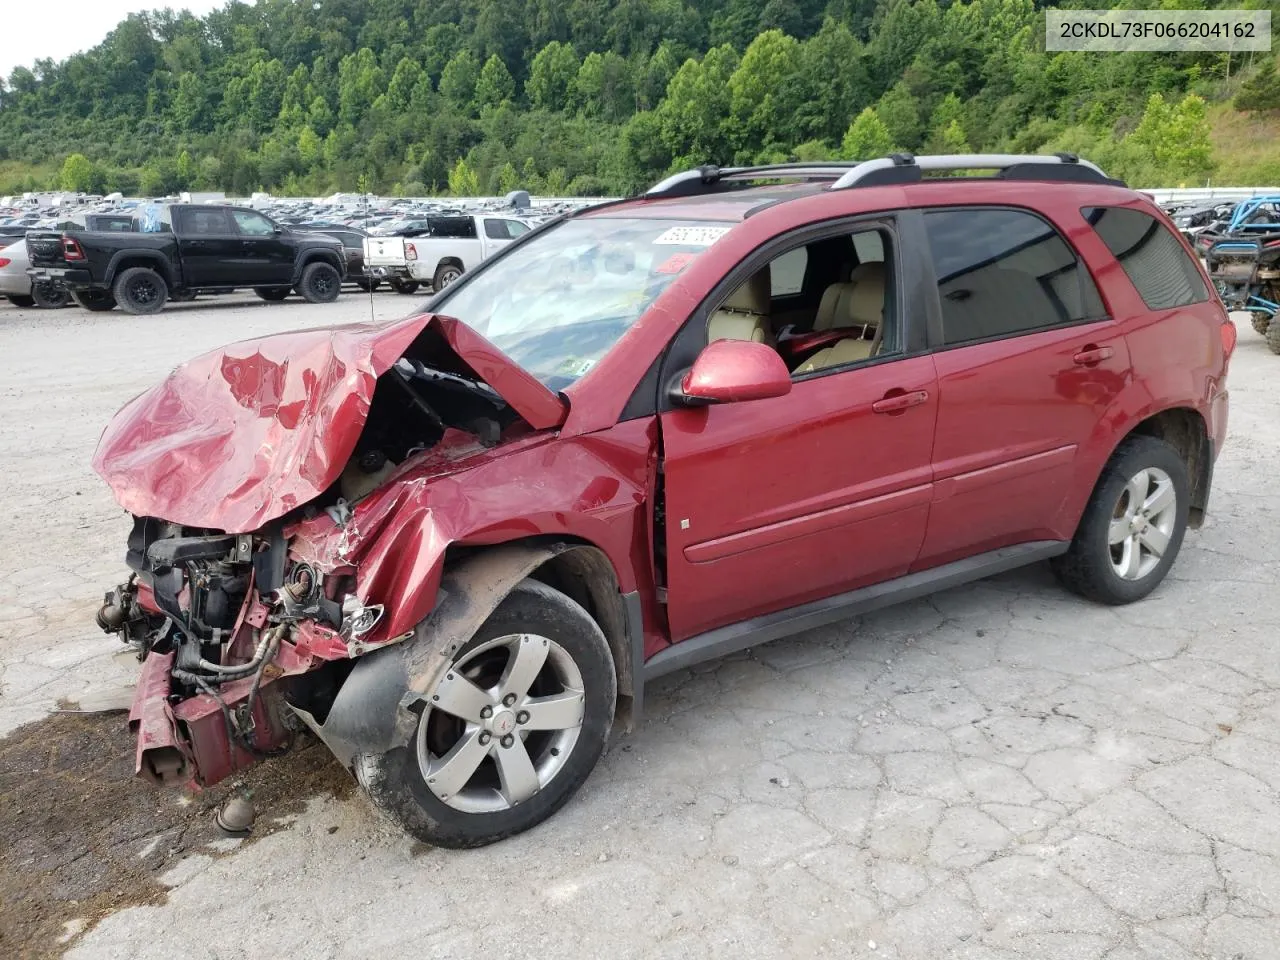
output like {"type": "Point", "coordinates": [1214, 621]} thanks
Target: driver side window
{"type": "Point", "coordinates": [841, 312]}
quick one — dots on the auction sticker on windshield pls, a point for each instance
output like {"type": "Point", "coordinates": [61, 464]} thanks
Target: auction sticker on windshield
{"type": "Point", "coordinates": [691, 236]}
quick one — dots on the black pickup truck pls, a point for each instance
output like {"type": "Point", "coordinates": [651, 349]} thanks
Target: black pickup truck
{"type": "Point", "coordinates": [180, 248]}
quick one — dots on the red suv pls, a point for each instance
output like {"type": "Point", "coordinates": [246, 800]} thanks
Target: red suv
{"type": "Point", "coordinates": [752, 401]}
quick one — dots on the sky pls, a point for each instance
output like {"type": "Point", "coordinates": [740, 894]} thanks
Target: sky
{"type": "Point", "coordinates": [56, 29]}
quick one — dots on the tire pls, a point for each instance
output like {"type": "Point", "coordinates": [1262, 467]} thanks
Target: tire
{"type": "Point", "coordinates": [400, 782]}
{"type": "Point", "coordinates": [19, 300]}
{"type": "Point", "coordinates": [405, 286]}
{"type": "Point", "coordinates": [320, 283]}
{"type": "Point", "coordinates": [272, 294]}
{"type": "Point", "coordinates": [446, 274]}
{"type": "Point", "coordinates": [1261, 321]}
{"type": "Point", "coordinates": [1095, 568]}
{"type": "Point", "coordinates": [1273, 337]}
{"type": "Point", "coordinates": [368, 286]}
{"type": "Point", "coordinates": [47, 296]}
{"type": "Point", "coordinates": [141, 290]}
{"type": "Point", "coordinates": [96, 301]}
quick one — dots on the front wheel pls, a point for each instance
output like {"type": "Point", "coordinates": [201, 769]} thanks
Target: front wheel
{"type": "Point", "coordinates": [50, 296]}
{"type": "Point", "coordinates": [141, 290]}
{"type": "Point", "coordinates": [320, 283]}
{"type": "Point", "coordinates": [1133, 526]}
{"type": "Point", "coordinates": [511, 730]}
{"type": "Point", "coordinates": [1273, 336]}
{"type": "Point", "coordinates": [97, 301]}
{"type": "Point", "coordinates": [1260, 321]}
{"type": "Point", "coordinates": [271, 294]}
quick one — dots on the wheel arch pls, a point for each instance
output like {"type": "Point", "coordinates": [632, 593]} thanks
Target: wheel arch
{"type": "Point", "coordinates": [377, 706]}
{"type": "Point", "coordinates": [449, 261]}
{"type": "Point", "coordinates": [126, 259]}
{"type": "Point", "coordinates": [1184, 429]}
{"type": "Point", "coordinates": [309, 257]}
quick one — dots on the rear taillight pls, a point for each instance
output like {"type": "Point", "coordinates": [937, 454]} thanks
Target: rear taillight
{"type": "Point", "coordinates": [4, 262]}
{"type": "Point", "coordinates": [71, 249]}
{"type": "Point", "coordinates": [1229, 336]}
{"type": "Point", "coordinates": [410, 252]}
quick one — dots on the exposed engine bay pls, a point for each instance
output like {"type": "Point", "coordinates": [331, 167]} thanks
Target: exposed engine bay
{"type": "Point", "coordinates": [228, 624]}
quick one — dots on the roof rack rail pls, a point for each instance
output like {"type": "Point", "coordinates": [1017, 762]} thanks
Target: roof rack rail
{"type": "Point", "coordinates": [706, 179]}
{"type": "Point", "coordinates": [905, 168]}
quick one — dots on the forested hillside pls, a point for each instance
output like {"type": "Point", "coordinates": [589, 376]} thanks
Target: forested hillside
{"type": "Point", "coordinates": [603, 96]}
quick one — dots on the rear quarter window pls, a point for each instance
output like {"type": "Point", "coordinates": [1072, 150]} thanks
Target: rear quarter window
{"type": "Point", "coordinates": [1155, 262]}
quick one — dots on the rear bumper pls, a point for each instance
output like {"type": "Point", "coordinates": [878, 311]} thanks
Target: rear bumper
{"type": "Point", "coordinates": [72, 277]}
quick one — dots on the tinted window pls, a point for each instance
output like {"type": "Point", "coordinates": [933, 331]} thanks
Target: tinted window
{"type": "Point", "coordinates": [496, 229]}
{"type": "Point", "coordinates": [1151, 256]}
{"type": "Point", "coordinates": [869, 246]}
{"type": "Point", "coordinates": [786, 273]}
{"type": "Point", "coordinates": [1005, 272]}
{"type": "Point", "coordinates": [459, 227]}
{"type": "Point", "coordinates": [253, 224]}
{"type": "Point", "coordinates": [207, 222]}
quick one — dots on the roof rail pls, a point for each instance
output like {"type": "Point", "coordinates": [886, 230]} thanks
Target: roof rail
{"type": "Point", "coordinates": [706, 178]}
{"type": "Point", "coordinates": [905, 168]}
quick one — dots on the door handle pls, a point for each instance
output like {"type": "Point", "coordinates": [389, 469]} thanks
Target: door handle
{"type": "Point", "coordinates": [896, 402]}
{"type": "Point", "coordinates": [1091, 356]}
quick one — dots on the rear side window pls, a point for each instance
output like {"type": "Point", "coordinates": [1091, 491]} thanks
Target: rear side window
{"type": "Point", "coordinates": [457, 227]}
{"type": "Point", "coordinates": [1002, 273]}
{"type": "Point", "coordinates": [786, 273]}
{"type": "Point", "coordinates": [1154, 261]}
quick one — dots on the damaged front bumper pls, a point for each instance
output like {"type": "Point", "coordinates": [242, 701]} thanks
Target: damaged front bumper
{"type": "Point", "coordinates": [230, 630]}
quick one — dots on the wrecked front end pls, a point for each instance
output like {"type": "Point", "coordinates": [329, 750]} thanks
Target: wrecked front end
{"type": "Point", "coordinates": [227, 626]}
{"type": "Point", "coordinates": [274, 538]}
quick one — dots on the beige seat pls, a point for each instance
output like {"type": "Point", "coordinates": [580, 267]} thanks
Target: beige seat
{"type": "Point", "coordinates": [856, 303]}
{"type": "Point", "coordinates": [845, 351]}
{"type": "Point", "coordinates": [745, 315]}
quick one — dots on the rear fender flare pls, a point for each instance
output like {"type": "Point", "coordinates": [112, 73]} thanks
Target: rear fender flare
{"type": "Point", "coordinates": [378, 707]}
{"type": "Point", "coordinates": [318, 255]}
{"type": "Point", "coordinates": [149, 259]}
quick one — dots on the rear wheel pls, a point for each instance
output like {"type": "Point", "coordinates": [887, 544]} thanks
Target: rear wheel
{"type": "Point", "coordinates": [1133, 526]}
{"type": "Point", "coordinates": [272, 294]}
{"type": "Point", "coordinates": [18, 300]}
{"type": "Point", "coordinates": [320, 283]}
{"type": "Point", "coordinates": [49, 296]}
{"type": "Point", "coordinates": [1261, 321]}
{"type": "Point", "coordinates": [511, 730]}
{"type": "Point", "coordinates": [141, 290]}
{"type": "Point", "coordinates": [446, 274]}
{"type": "Point", "coordinates": [404, 286]}
{"type": "Point", "coordinates": [98, 301]}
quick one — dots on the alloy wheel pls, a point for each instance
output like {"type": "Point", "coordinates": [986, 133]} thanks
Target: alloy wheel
{"type": "Point", "coordinates": [501, 724]}
{"type": "Point", "coordinates": [1142, 523]}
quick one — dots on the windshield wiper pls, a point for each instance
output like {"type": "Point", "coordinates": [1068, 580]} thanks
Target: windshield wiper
{"type": "Point", "coordinates": [416, 369]}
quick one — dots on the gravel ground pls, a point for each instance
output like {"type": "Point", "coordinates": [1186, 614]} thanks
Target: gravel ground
{"type": "Point", "coordinates": [1001, 771]}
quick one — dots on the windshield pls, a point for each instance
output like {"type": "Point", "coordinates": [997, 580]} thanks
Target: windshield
{"type": "Point", "coordinates": [557, 303]}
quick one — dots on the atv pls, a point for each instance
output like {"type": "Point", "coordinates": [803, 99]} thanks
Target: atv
{"type": "Point", "coordinates": [1244, 263]}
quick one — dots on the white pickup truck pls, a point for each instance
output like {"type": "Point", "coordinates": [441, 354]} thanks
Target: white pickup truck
{"type": "Point", "coordinates": [439, 254]}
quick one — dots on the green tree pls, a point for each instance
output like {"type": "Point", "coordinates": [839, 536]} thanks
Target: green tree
{"type": "Point", "coordinates": [495, 85]}
{"type": "Point", "coordinates": [834, 82]}
{"type": "Point", "coordinates": [508, 178]}
{"type": "Point", "coordinates": [1261, 91]}
{"type": "Point", "coordinates": [552, 76]}
{"type": "Point", "coordinates": [77, 173]}
{"type": "Point", "coordinates": [867, 137]}
{"type": "Point", "coordinates": [694, 115]}
{"type": "Point", "coordinates": [1176, 137]}
{"type": "Point", "coordinates": [948, 139]}
{"type": "Point", "coordinates": [762, 113]}
{"type": "Point", "coordinates": [360, 82]}
{"type": "Point", "coordinates": [463, 181]}
{"type": "Point", "coordinates": [458, 81]}
{"type": "Point", "coordinates": [900, 111]}
{"type": "Point", "coordinates": [604, 88]}
{"type": "Point", "coordinates": [186, 169]}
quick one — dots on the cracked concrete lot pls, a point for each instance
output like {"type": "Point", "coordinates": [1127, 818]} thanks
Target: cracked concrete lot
{"type": "Point", "coordinates": [1001, 771]}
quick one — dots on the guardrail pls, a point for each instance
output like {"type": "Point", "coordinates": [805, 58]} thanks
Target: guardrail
{"type": "Point", "coordinates": [1209, 195]}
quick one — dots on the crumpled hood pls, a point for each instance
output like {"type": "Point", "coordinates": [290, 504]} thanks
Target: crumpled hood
{"type": "Point", "coordinates": [244, 434]}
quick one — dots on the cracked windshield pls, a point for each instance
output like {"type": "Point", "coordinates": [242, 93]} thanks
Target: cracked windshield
{"type": "Point", "coordinates": [556, 304]}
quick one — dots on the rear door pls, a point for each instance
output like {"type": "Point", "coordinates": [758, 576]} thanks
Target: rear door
{"type": "Point", "coordinates": [209, 247]}
{"type": "Point", "coordinates": [267, 256]}
{"type": "Point", "coordinates": [1028, 363]}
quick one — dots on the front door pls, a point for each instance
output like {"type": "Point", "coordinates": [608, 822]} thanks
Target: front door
{"type": "Point", "coordinates": [774, 503]}
{"type": "Point", "coordinates": [266, 257]}
{"type": "Point", "coordinates": [1027, 366]}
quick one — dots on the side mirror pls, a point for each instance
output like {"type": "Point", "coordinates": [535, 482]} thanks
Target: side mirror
{"type": "Point", "coordinates": [729, 371]}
